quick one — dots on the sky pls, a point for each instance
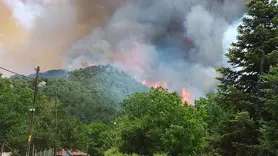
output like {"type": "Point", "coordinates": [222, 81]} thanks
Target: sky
{"type": "Point", "coordinates": [230, 34]}
{"type": "Point", "coordinates": [229, 37]}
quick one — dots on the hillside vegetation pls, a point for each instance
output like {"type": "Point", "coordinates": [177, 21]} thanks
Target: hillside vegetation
{"type": "Point", "coordinates": [93, 93]}
{"type": "Point", "coordinates": [102, 111]}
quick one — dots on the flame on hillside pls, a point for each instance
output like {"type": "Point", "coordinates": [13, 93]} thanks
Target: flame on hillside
{"type": "Point", "coordinates": [91, 65]}
{"type": "Point", "coordinates": [155, 85]}
{"type": "Point", "coordinates": [185, 95]}
{"type": "Point", "coordinates": [135, 59]}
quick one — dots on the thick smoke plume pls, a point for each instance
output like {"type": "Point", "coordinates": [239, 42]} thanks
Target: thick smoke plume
{"type": "Point", "coordinates": [40, 32]}
{"type": "Point", "coordinates": [177, 41]}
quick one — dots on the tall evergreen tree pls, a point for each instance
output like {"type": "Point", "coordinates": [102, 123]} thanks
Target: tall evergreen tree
{"type": "Point", "coordinates": [254, 53]}
{"type": "Point", "coordinates": [269, 129]}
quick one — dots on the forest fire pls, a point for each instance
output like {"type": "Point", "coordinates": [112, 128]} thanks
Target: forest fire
{"type": "Point", "coordinates": [91, 65]}
{"type": "Point", "coordinates": [155, 85]}
{"type": "Point", "coordinates": [184, 94]}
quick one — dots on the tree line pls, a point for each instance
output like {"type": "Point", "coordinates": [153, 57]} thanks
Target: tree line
{"type": "Point", "coordinates": [241, 118]}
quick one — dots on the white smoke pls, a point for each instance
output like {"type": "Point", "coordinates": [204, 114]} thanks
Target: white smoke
{"type": "Point", "coordinates": [25, 14]}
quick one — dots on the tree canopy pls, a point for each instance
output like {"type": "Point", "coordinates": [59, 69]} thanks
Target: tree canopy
{"type": "Point", "coordinates": [253, 54]}
{"type": "Point", "coordinates": [158, 121]}
{"type": "Point", "coordinates": [15, 102]}
{"type": "Point", "coordinates": [103, 111]}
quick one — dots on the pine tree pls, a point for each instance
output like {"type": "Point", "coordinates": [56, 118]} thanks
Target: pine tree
{"type": "Point", "coordinates": [269, 129]}
{"type": "Point", "coordinates": [255, 50]}
{"type": "Point", "coordinates": [254, 53]}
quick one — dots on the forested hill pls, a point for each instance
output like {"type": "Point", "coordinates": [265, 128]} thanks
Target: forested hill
{"type": "Point", "coordinates": [52, 74]}
{"type": "Point", "coordinates": [240, 119]}
{"type": "Point", "coordinates": [92, 93]}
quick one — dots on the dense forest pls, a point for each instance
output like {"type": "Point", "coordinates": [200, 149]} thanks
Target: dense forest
{"type": "Point", "coordinates": [93, 93]}
{"type": "Point", "coordinates": [103, 111]}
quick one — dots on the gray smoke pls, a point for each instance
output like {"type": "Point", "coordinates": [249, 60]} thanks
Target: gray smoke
{"type": "Point", "coordinates": [178, 41]}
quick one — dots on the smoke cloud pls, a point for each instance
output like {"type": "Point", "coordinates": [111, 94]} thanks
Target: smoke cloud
{"type": "Point", "coordinates": [40, 32]}
{"type": "Point", "coordinates": [179, 41]}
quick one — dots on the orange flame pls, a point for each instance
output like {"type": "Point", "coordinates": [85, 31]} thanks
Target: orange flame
{"type": "Point", "coordinates": [184, 94]}
{"type": "Point", "coordinates": [91, 65]}
{"type": "Point", "coordinates": [154, 85]}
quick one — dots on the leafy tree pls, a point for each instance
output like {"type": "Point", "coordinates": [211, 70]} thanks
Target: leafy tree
{"type": "Point", "coordinates": [14, 105]}
{"type": "Point", "coordinates": [158, 121]}
{"type": "Point", "coordinates": [79, 100]}
{"type": "Point", "coordinates": [108, 85]}
{"type": "Point", "coordinates": [254, 53]}
{"type": "Point", "coordinates": [15, 101]}
{"type": "Point", "coordinates": [115, 152]}
{"type": "Point", "coordinates": [269, 130]}
{"type": "Point", "coordinates": [96, 140]}
{"type": "Point", "coordinates": [215, 117]}
{"type": "Point", "coordinates": [91, 94]}
{"type": "Point", "coordinates": [160, 154]}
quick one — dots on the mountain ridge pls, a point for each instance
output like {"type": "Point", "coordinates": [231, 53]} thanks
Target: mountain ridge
{"type": "Point", "coordinates": [89, 90]}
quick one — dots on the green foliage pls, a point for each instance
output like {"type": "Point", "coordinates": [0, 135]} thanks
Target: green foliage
{"type": "Point", "coordinates": [237, 135]}
{"type": "Point", "coordinates": [240, 119]}
{"type": "Point", "coordinates": [158, 121]}
{"type": "Point", "coordinates": [96, 139]}
{"type": "Point", "coordinates": [253, 52]}
{"type": "Point", "coordinates": [52, 74]}
{"type": "Point", "coordinates": [269, 130]}
{"type": "Point", "coordinates": [15, 101]}
{"type": "Point", "coordinates": [78, 100]}
{"type": "Point", "coordinates": [14, 104]}
{"type": "Point", "coordinates": [216, 117]}
{"type": "Point", "coordinates": [93, 93]}
{"type": "Point", "coordinates": [250, 57]}
{"type": "Point", "coordinates": [115, 152]}
{"type": "Point", "coordinates": [108, 85]}
{"type": "Point", "coordinates": [160, 154]}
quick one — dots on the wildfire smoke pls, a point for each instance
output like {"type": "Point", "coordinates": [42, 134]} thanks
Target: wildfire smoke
{"type": "Point", "coordinates": [177, 41]}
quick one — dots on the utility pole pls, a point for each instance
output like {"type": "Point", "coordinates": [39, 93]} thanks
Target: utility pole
{"type": "Point", "coordinates": [2, 149]}
{"type": "Point", "coordinates": [32, 110]}
{"type": "Point", "coordinates": [33, 151]}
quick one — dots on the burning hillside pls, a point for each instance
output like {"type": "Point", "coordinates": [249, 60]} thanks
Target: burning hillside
{"type": "Point", "coordinates": [184, 93]}
{"type": "Point", "coordinates": [178, 42]}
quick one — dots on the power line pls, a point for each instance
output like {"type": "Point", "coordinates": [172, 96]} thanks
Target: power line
{"type": "Point", "coordinates": [31, 121]}
{"type": "Point", "coordinates": [32, 110]}
{"type": "Point", "coordinates": [14, 72]}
